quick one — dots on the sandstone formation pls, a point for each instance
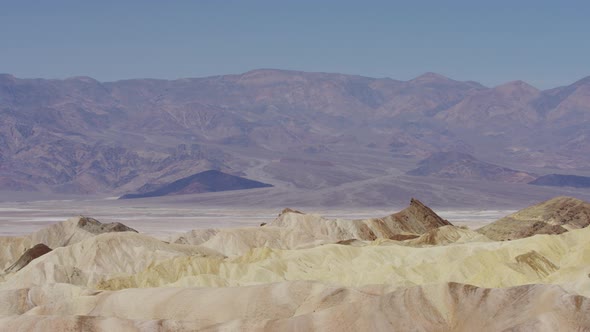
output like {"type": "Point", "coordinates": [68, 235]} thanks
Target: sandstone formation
{"type": "Point", "coordinates": [295, 230]}
{"type": "Point", "coordinates": [37, 251]}
{"type": "Point", "coordinates": [61, 234]}
{"type": "Point", "coordinates": [555, 216]}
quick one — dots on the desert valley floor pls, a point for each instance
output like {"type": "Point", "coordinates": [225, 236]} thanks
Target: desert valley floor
{"type": "Point", "coordinates": [104, 265]}
{"type": "Point", "coordinates": [161, 219]}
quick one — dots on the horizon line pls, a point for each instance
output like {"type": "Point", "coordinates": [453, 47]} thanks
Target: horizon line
{"type": "Point", "coordinates": [423, 75]}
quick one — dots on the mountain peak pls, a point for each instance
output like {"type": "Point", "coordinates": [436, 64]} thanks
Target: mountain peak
{"type": "Point", "coordinates": [583, 81]}
{"type": "Point", "coordinates": [517, 88]}
{"type": "Point", "coordinates": [419, 218]}
{"type": "Point", "coordinates": [85, 79]}
{"type": "Point", "coordinates": [262, 71]}
{"type": "Point", "coordinates": [268, 75]}
{"type": "Point", "coordinates": [6, 77]}
{"type": "Point", "coordinates": [207, 181]}
{"type": "Point", "coordinates": [430, 77]}
{"type": "Point", "coordinates": [518, 84]}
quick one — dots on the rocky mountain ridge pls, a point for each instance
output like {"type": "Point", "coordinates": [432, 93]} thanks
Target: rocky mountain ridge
{"type": "Point", "coordinates": [81, 136]}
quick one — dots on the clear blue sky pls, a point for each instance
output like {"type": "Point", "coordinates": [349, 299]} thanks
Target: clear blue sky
{"type": "Point", "coordinates": [546, 43]}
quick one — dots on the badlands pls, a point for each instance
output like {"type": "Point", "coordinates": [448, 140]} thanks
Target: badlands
{"type": "Point", "coordinates": [409, 271]}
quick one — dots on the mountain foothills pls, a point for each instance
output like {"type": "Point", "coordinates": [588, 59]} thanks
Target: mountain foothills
{"type": "Point", "coordinates": [208, 181]}
{"type": "Point", "coordinates": [560, 180]}
{"type": "Point", "coordinates": [462, 165]}
{"type": "Point", "coordinates": [410, 270]}
{"type": "Point", "coordinates": [290, 129]}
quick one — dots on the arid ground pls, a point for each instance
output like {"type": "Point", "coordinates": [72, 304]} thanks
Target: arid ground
{"type": "Point", "coordinates": [104, 265]}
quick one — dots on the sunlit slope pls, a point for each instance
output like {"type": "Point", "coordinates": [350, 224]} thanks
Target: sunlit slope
{"type": "Point", "coordinates": [555, 216]}
{"type": "Point", "coordinates": [103, 256]}
{"type": "Point", "coordinates": [561, 259]}
{"type": "Point", "coordinates": [296, 230]}
{"type": "Point", "coordinates": [61, 234]}
{"type": "Point", "coordinates": [411, 270]}
{"type": "Point", "coordinates": [296, 306]}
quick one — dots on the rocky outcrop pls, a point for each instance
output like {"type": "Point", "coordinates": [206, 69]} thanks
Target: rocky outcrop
{"type": "Point", "coordinates": [289, 210]}
{"type": "Point", "coordinates": [37, 251]}
{"type": "Point", "coordinates": [293, 229]}
{"type": "Point", "coordinates": [58, 235]}
{"type": "Point", "coordinates": [417, 218]}
{"type": "Point", "coordinates": [414, 220]}
{"type": "Point", "coordinates": [96, 227]}
{"type": "Point", "coordinates": [447, 235]}
{"type": "Point", "coordinates": [555, 216]}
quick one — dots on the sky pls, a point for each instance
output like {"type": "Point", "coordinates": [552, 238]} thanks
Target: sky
{"type": "Point", "coordinates": [545, 43]}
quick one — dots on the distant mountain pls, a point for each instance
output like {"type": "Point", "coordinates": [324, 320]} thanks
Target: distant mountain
{"type": "Point", "coordinates": [82, 136]}
{"type": "Point", "coordinates": [208, 181]}
{"type": "Point", "coordinates": [505, 105]}
{"type": "Point", "coordinates": [462, 165]}
{"type": "Point", "coordinates": [561, 180]}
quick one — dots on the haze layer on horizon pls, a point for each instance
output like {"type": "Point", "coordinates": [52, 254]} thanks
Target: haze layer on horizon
{"type": "Point", "coordinates": [539, 42]}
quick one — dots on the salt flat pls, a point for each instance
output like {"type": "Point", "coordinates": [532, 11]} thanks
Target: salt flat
{"type": "Point", "coordinates": [18, 218]}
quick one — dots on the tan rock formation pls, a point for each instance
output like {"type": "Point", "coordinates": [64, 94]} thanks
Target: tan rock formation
{"type": "Point", "coordinates": [554, 216]}
{"type": "Point", "coordinates": [61, 234]}
{"type": "Point", "coordinates": [304, 272]}
{"type": "Point", "coordinates": [37, 251]}
{"type": "Point", "coordinates": [294, 230]}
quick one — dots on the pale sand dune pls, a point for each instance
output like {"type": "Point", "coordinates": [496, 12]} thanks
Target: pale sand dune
{"type": "Point", "coordinates": [407, 271]}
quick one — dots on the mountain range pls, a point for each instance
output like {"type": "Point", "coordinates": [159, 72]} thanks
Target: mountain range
{"type": "Point", "coordinates": [294, 130]}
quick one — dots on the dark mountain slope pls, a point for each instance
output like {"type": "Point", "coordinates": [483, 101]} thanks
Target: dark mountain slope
{"type": "Point", "coordinates": [561, 180]}
{"type": "Point", "coordinates": [208, 181]}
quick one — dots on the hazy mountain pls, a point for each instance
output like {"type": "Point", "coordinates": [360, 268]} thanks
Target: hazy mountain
{"type": "Point", "coordinates": [79, 135]}
{"type": "Point", "coordinates": [461, 165]}
{"type": "Point", "coordinates": [208, 181]}
{"type": "Point", "coordinates": [560, 180]}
